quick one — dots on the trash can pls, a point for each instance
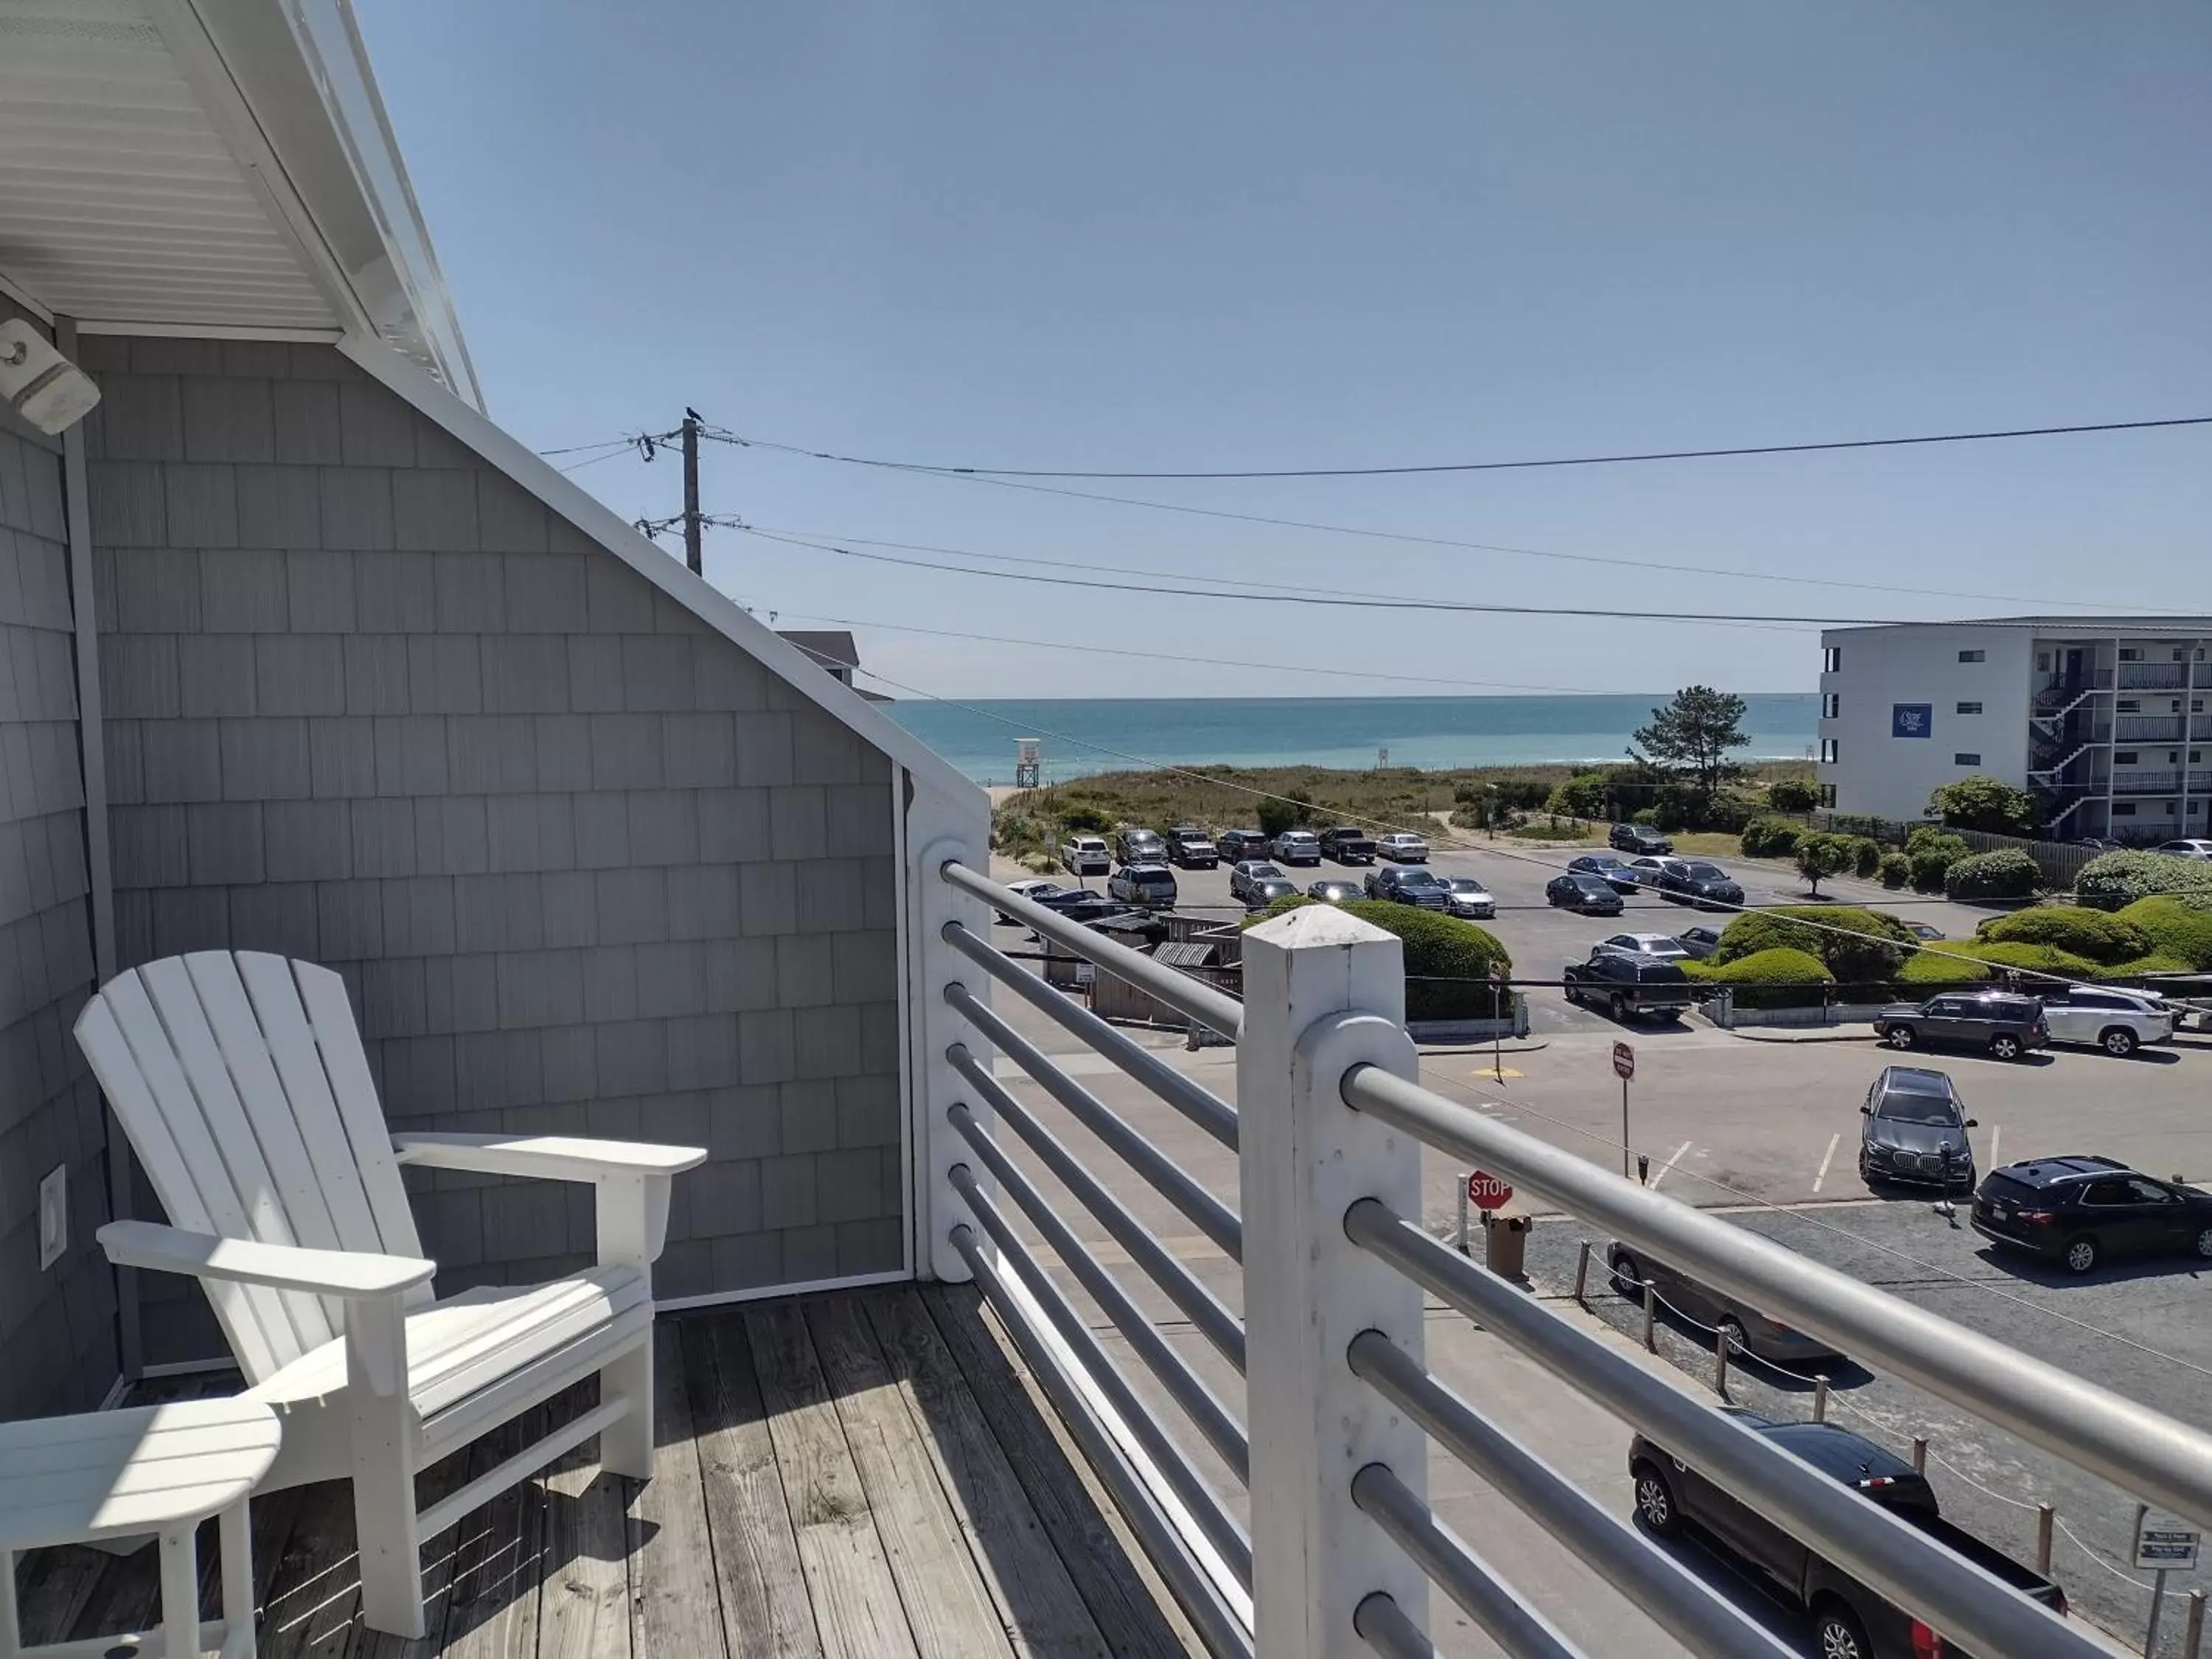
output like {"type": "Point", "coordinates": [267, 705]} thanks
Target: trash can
{"type": "Point", "coordinates": [1505, 1242]}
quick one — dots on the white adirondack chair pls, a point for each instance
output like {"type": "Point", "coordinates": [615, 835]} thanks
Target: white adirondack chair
{"type": "Point", "coordinates": [241, 1081]}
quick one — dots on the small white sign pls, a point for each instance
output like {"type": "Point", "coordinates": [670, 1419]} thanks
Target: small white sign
{"type": "Point", "coordinates": [2170, 1549]}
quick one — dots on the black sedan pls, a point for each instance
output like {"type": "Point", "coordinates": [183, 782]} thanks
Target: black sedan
{"type": "Point", "coordinates": [1607, 867]}
{"type": "Point", "coordinates": [1334, 892]}
{"type": "Point", "coordinates": [1692, 881]}
{"type": "Point", "coordinates": [2082, 1209]}
{"type": "Point", "coordinates": [1915, 1131]}
{"type": "Point", "coordinates": [1700, 942]}
{"type": "Point", "coordinates": [1578, 890]}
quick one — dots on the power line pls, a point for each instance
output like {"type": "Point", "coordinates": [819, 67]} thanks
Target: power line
{"type": "Point", "coordinates": [1500, 466]}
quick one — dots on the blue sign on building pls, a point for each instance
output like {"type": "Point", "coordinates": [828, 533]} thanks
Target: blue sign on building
{"type": "Point", "coordinates": [1911, 720]}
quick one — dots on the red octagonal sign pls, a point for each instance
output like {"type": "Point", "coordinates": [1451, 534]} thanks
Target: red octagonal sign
{"type": "Point", "coordinates": [1624, 1061]}
{"type": "Point", "coordinates": [1485, 1191]}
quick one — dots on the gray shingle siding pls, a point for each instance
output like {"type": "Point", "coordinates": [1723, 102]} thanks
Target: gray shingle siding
{"type": "Point", "coordinates": [371, 703]}
{"type": "Point", "coordinates": [57, 1334]}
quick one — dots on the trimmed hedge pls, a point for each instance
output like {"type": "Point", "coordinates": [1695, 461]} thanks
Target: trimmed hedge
{"type": "Point", "coordinates": [2090, 933]}
{"type": "Point", "coordinates": [1771, 838]}
{"type": "Point", "coordinates": [1857, 947]}
{"type": "Point", "coordinates": [1447, 961]}
{"type": "Point", "coordinates": [1929, 971]}
{"type": "Point", "coordinates": [2006, 874]}
{"type": "Point", "coordinates": [2039, 958]}
{"type": "Point", "coordinates": [1777, 978]}
{"type": "Point", "coordinates": [1895, 869]}
{"type": "Point", "coordinates": [1866, 855]}
{"type": "Point", "coordinates": [2114, 880]}
{"type": "Point", "coordinates": [1931, 854]}
{"type": "Point", "coordinates": [2174, 929]}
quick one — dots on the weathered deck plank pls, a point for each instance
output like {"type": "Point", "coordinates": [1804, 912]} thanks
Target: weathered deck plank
{"type": "Point", "coordinates": [674, 1606]}
{"type": "Point", "coordinates": [1041, 1609]}
{"type": "Point", "coordinates": [583, 1607]}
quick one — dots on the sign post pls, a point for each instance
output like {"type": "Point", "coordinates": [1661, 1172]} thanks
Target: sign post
{"type": "Point", "coordinates": [1497, 1021]}
{"type": "Point", "coordinates": [2161, 1549]}
{"type": "Point", "coordinates": [1624, 1067]}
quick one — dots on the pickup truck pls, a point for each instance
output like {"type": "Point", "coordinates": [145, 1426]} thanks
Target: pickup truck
{"type": "Point", "coordinates": [1849, 1621]}
{"type": "Point", "coordinates": [1627, 982]}
{"type": "Point", "coordinates": [1347, 845]}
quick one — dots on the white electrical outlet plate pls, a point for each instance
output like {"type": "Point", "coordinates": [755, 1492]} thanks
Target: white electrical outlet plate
{"type": "Point", "coordinates": [53, 1216]}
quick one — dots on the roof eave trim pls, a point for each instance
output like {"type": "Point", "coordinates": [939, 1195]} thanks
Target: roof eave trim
{"type": "Point", "coordinates": [497, 449]}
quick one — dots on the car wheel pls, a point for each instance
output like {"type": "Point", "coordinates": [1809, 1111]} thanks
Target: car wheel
{"type": "Point", "coordinates": [1898, 1036]}
{"type": "Point", "coordinates": [1730, 1330]}
{"type": "Point", "coordinates": [2204, 1244]}
{"type": "Point", "coordinates": [2082, 1254]}
{"type": "Point", "coordinates": [1627, 1277]}
{"type": "Point", "coordinates": [2119, 1042]}
{"type": "Point", "coordinates": [1617, 1006]}
{"type": "Point", "coordinates": [1838, 1633]}
{"type": "Point", "coordinates": [1655, 1508]}
{"type": "Point", "coordinates": [2005, 1046]}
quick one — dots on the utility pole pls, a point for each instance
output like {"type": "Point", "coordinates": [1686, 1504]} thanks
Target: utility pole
{"type": "Point", "coordinates": [691, 553]}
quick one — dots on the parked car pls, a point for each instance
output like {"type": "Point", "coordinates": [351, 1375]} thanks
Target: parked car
{"type": "Point", "coordinates": [1036, 889]}
{"type": "Point", "coordinates": [2082, 1209]}
{"type": "Point", "coordinates": [1257, 883]}
{"type": "Point", "coordinates": [1606, 865]}
{"type": "Point", "coordinates": [1922, 930]}
{"type": "Point", "coordinates": [1086, 907]}
{"type": "Point", "coordinates": [1635, 838]}
{"type": "Point", "coordinates": [1297, 846]}
{"type": "Point", "coordinates": [1693, 881]}
{"type": "Point", "coordinates": [2007, 1025]}
{"type": "Point", "coordinates": [1579, 890]}
{"type": "Point", "coordinates": [1849, 1622]}
{"type": "Point", "coordinates": [1625, 984]}
{"type": "Point", "coordinates": [1085, 855]}
{"type": "Point", "coordinates": [1347, 845]}
{"type": "Point", "coordinates": [1335, 890]}
{"type": "Point", "coordinates": [1141, 846]}
{"type": "Point", "coordinates": [1665, 946]}
{"type": "Point", "coordinates": [1234, 844]}
{"type": "Point", "coordinates": [2117, 1021]}
{"type": "Point", "coordinates": [1915, 1131]}
{"type": "Point", "coordinates": [1716, 1310]}
{"type": "Point", "coordinates": [1401, 846]}
{"type": "Point", "coordinates": [1409, 884]}
{"type": "Point", "coordinates": [1700, 942]}
{"type": "Point", "coordinates": [1469, 898]}
{"type": "Point", "coordinates": [2102, 843]}
{"type": "Point", "coordinates": [2186, 849]}
{"type": "Point", "coordinates": [1650, 873]}
{"type": "Point", "coordinates": [1148, 886]}
{"type": "Point", "coordinates": [1190, 847]}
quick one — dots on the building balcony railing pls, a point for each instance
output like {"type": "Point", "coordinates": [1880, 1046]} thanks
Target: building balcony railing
{"type": "Point", "coordinates": [1338, 1404]}
{"type": "Point", "coordinates": [2153, 676]}
{"type": "Point", "coordinates": [2145, 783]}
{"type": "Point", "coordinates": [2148, 728]}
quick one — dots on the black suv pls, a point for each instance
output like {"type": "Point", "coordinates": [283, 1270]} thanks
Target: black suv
{"type": "Point", "coordinates": [2080, 1209]}
{"type": "Point", "coordinates": [1692, 881]}
{"type": "Point", "coordinates": [1347, 846]}
{"type": "Point", "coordinates": [1236, 845]}
{"type": "Point", "coordinates": [1915, 1131]}
{"type": "Point", "coordinates": [1635, 838]}
{"type": "Point", "coordinates": [2007, 1026]}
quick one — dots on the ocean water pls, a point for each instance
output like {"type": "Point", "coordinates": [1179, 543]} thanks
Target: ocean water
{"type": "Point", "coordinates": [1085, 735]}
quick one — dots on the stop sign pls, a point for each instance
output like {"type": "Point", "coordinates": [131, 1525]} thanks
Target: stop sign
{"type": "Point", "coordinates": [1624, 1062]}
{"type": "Point", "coordinates": [1485, 1191]}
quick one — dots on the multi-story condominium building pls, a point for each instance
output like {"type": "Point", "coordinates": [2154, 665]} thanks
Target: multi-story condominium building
{"type": "Point", "coordinates": [2107, 720]}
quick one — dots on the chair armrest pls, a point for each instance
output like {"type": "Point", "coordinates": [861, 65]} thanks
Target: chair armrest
{"type": "Point", "coordinates": [342, 1273]}
{"type": "Point", "coordinates": [548, 1157]}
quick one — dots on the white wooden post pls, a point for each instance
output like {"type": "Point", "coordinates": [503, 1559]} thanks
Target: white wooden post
{"type": "Point", "coordinates": [384, 1459]}
{"type": "Point", "coordinates": [631, 1215]}
{"type": "Point", "coordinates": [1322, 991]}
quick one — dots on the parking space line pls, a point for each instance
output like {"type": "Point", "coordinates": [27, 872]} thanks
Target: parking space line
{"type": "Point", "coordinates": [1827, 1158]}
{"type": "Point", "coordinates": [1660, 1173]}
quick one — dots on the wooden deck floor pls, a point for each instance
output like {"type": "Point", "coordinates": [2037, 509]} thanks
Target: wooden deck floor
{"type": "Point", "coordinates": [868, 1474]}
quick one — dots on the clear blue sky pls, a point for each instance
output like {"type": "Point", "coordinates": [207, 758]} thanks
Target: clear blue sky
{"type": "Point", "coordinates": [1168, 235]}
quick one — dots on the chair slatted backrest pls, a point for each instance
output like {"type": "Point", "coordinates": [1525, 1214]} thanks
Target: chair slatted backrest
{"type": "Point", "coordinates": [242, 1083]}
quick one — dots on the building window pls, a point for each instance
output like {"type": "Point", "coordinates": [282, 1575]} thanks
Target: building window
{"type": "Point", "coordinates": [2180, 654]}
{"type": "Point", "coordinates": [2043, 662]}
{"type": "Point", "coordinates": [1831, 658]}
{"type": "Point", "coordinates": [2195, 756]}
{"type": "Point", "coordinates": [2125, 757]}
{"type": "Point", "coordinates": [2197, 705]}
{"type": "Point", "coordinates": [1965, 760]}
{"type": "Point", "coordinates": [2124, 809]}
{"type": "Point", "coordinates": [2173, 809]}
{"type": "Point", "coordinates": [1973, 656]}
{"type": "Point", "coordinates": [1832, 705]}
{"type": "Point", "coordinates": [2130, 654]}
{"type": "Point", "coordinates": [2130, 705]}
{"type": "Point", "coordinates": [1827, 752]}
{"type": "Point", "coordinates": [1970, 709]}
{"type": "Point", "coordinates": [2177, 705]}
{"type": "Point", "coordinates": [1829, 796]}
{"type": "Point", "coordinates": [2172, 756]}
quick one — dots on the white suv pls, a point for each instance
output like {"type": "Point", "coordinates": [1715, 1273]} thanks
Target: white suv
{"type": "Point", "coordinates": [1085, 855]}
{"type": "Point", "coordinates": [2115, 1020]}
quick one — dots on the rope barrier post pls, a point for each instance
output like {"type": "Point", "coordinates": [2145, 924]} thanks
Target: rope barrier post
{"type": "Point", "coordinates": [1920, 1454]}
{"type": "Point", "coordinates": [1324, 992]}
{"type": "Point", "coordinates": [1650, 1318]}
{"type": "Point", "coordinates": [1582, 1273]}
{"type": "Point", "coordinates": [2192, 1638]}
{"type": "Point", "coordinates": [2043, 1515]}
{"type": "Point", "coordinates": [1821, 1401]}
{"type": "Point", "coordinates": [1463, 1215]}
{"type": "Point", "coordinates": [1721, 1362]}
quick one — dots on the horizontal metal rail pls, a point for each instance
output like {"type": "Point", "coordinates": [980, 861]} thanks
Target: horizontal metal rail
{"type": "Point", "coordinates": [1184, 1386]}
{"type": "Point", "coordinates": [1222, 1529]}
{"type": "Point", "coordinates": [1889, 1555]}
{"type": "Point", "coordinates": [1676, 1599]}
{"type": "Point", "coordinates": [1219, 1626]}
{"type": "Point", "coordinates": [1381, 1624]}
{"type": "Point", "coordinates": [1215, 1010]}
{"type": "Point", "coordinates": [1201, 1105]}
{"type": "Point", "coordinates": [1205, 1312]}
{"type": "Point", "coordinates": [1519, 1629]}
{"type": "Point", "coordinates": [2138, 1449]}
{"type": "Point", "coordinates": [1205, 1212]}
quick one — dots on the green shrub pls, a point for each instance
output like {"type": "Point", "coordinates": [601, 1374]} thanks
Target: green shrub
{"type": "Point", "coordinates": [2174, 928]}
{"type": "Point", "coordinates": [2113, 880]}
{"type": "Point", "coordinates": [1895, 869]}
{"type": "Point", "coordinates": [1085, 821]}
{"type": "Point", "coordinates": [1820, 854]}
{"type": "Point", "coordinates": [1776, 978]}
{"type": "Point", "coordinates": [1931, 855]}
{"type": "Point", "coordinates": [1771, 838]}
{"type": "Point", "coordinates": [2156, 962]}
{"type": "Point", "coordinates": [1858, 947]}
{"type": "Point", "coordinates": [1793, 794]}
{"type": "Point", "coordinates": [1866, 855]}
{"type": "Point", "coordinates": [1583, 796]}
{"type": "Point", "coordinates": [1930, 971]}
{"type": "Point", "coordinates": [1646, 815]}
{"type": "Point", "coordinates": [1447, 961]}
{"type": "Point", "coordinates": [2088, 933]}
{"type": "Point", "coordinates": [1985, 803]}
{"type": "Point", "coordinates": [2033, 959]}
{"type": "Point", "coordinates": [2007, 874]}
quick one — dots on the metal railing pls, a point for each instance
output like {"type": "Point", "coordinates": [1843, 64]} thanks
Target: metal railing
{"type": "Point", "coordinates": [1339, 1404]}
